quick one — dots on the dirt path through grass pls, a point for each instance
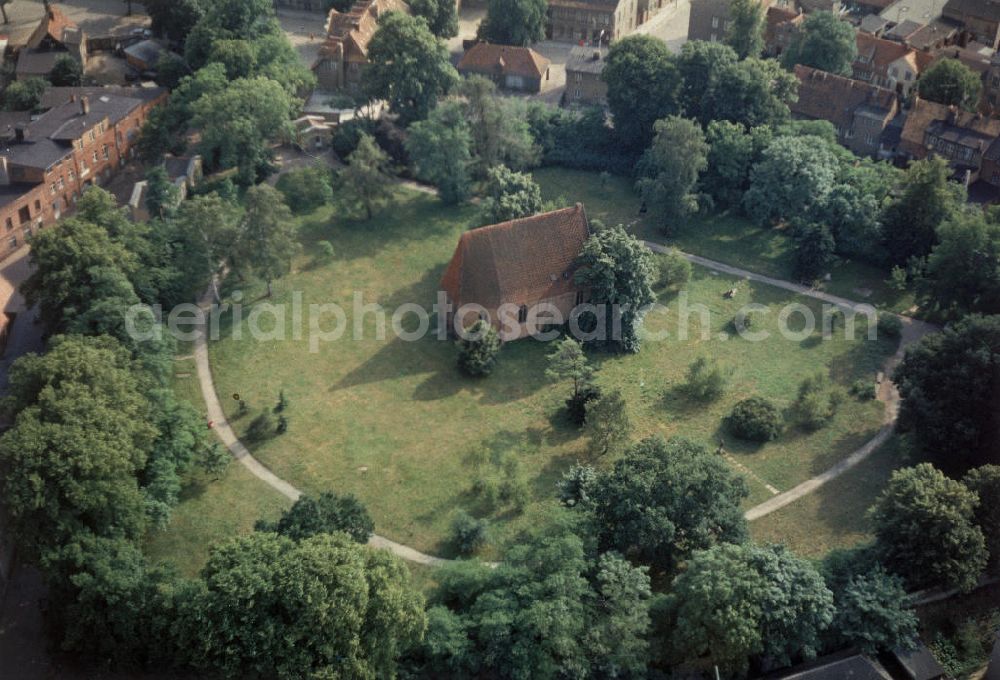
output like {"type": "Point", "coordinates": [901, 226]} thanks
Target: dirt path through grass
{"type": "Point", "coordinates": [240, 452]}
{"type": "Point", "coordinates": [912, 331]}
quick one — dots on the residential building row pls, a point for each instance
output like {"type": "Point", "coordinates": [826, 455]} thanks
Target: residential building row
{"type": "Point", "coordinates": [870, 121]}
{"type": "Point", "coordinates": [84, 136]}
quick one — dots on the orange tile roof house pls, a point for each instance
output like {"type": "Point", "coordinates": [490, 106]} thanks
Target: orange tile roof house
{"type": "Point", "coordinates": [888, 64]}
{"type": "Point", "coordinates": [963, 138]}
{"type": "Point", "coordinates": [521, 69]}
{"type": "Point", "coordinates": [342, 58]}
{"type": "Point", "coordinates": [54, 36]}
{"type": "Point", "coordinates": [860, 111]}
{"type": "Point", "coordinates": [519, 264]}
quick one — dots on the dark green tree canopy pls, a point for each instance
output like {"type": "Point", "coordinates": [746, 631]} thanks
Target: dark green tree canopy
{"type": "Point", "coordinates": [925, 529]}
{"type": "Point", "coordinates": [700, 64]}
{"type": "Point", "coordinates": [509, 196]}
{"type": "Point", "coordinates": [736, 603]}
{"type": "Point", "coordinates": [441, 151]}
{"type": "Point", "coordinates": [925, 199]}
{"type": "Point", "coordinates": [950, 391]}
{"type": "Point", "coordinates": [277, 608]}
{"type": "Point", "coordinates": [620, 272]}
{"type": "Point", "coordinates": [410, 67]}
{"type": "Point", "coordinates": [549, 610]}
{"type": "Point", "coordinates": [746, 29]}
{"type": "Point", "coordinates": [952, 83]}
{"type": "Point", "coordinates": [644, 85]}
{"type": "Point", "coordinates": [514, 22]}
{"type": "Point", "coordinates": [323, 514]}
{"type": "Point", "coordinates": [752, 92]}
{"type": "Point", "coordinates": [826, 42]}
{"type": "Point", "coordinates": [793, 177]}
{"type": "Point", "coordinates": [962, 275]}
{"type": "Point", "coordinates": [670, 169]}
{"type": "Point", "coordinates": [440, 15]}
{"type": "Point", "coordinates": [663, 500]}
{"type": "Point", "coordinates": [80, 437]}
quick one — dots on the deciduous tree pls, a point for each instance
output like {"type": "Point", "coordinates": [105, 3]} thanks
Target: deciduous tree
{"type": "Point", "coordinates": [620, 272]}
{"type": "Point", "coordinates": [925, 531]}
{"type": "Point", "coordinates": [825, 42]}
{"type": "Point", "coordinates": [746, 29]}
{"type": "Point", "coordinates": [271, 606]}
{"type": "Point", "coordinates": [514, 22]}
{"type": "Point", "coordinates": [323, 514]}
{"type": "Point", "coordinates": [670, 169]}
{"type": "Point", "coordinates": [952, 83]}
{"type": "Point", "coordinates": [440, 15]}
{"type": "Point", "coordinates": [409, 67]}
{"type": "Point", "coordinates": [663, 500]}
{"type": "Point", "coordinates": [267, 241]}
{"type": "Point", "coordinates": [950, 392]}
{"type": "Point", "coordinates": [607, 423]}
{"type": "Point", "coordinates": [925, 199]}
{"type": "Point", "coordinates": [644, 85]}
{"type": "Point", "coordinates": [366, 177]}
{"type": "Point", "coordinates": [794, 177]}
{"type": "Point", "coordinates": [441, 150]}
{"type": "Point", "coordinates": [509, 196]}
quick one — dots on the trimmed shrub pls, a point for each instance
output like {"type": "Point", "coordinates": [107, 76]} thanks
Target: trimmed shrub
{"type": "Point", "coordinates": [468, 533]}
{"type": "Point", "coordinates": [675, 269]}
{"type": "Point", "coordinates": [306, 189]}
{"type": "Point", "coordinates": [817, 402]}
{"type": "Point", "coordinates": [705, 380]}
{"type": "Point", "coordinates": [755, 419]}
{"type": "Point", "coordinates": [477, 354]}
{"type": "Point", "coordinates": [889, 325]}
{"type": "Point", "coordinates": [575, 485]}
{"type": "Point", "coordinates": [864, 390]}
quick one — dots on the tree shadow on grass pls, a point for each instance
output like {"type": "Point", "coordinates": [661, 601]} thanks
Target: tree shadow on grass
{"type": "Point", "coordinates": [841, 448]}
{"type": "Point", "coordinates": [863, 360]}
{"type": "Point", "coordinates": [410, 217]}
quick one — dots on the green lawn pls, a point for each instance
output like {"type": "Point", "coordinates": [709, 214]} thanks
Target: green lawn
{"type": "Point", "coordinates": [394, 423]}
{"type": "Point", "coordinates": [211, 510]}
{"type": "Point", "coordinates": [835, 515]}
{"type": "Point", "coordinates": [720, 236]}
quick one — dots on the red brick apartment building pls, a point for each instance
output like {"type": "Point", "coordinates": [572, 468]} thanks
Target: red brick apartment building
{"type": "Point", "coordinates": [82, 139]}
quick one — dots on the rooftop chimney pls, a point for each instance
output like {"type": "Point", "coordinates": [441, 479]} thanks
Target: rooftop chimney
{"type": "Point", "coordinates": [85, 105]}
{"type": "Point", "coordinates": [4, 172]}
{"type": "Point", "coordinates": [20, 133]}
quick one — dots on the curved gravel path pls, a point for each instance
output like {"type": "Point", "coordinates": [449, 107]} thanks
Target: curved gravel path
{"type": "Point", "coordinates": [240, 452]}
{"type": "Point", "coordinates": [913, 330]}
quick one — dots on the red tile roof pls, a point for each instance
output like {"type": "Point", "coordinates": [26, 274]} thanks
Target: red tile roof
{"type": "Point", "coordinates": [350, 32]}
{"type": "Point", "coordinates": [969, 129]}
{"type": "Point", "coordinates": [503, 59]}
{"type": "Point", "coordinates": [880, 52]}
{"type": "Point", "coordinates": [520, 262]}
{"type": "Point", "coordinates": [825, 96]}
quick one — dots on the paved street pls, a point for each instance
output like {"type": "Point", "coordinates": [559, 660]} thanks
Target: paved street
{"type": "Point", "coordinates": [95, 17]}
{"type": "Point", "coordinates": [305, 30]}
{"type": "Point", "coordinates": [670, 25]}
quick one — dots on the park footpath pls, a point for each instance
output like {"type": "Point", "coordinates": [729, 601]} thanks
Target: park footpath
{"type": "Point", "coordinates": [912, 331]}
